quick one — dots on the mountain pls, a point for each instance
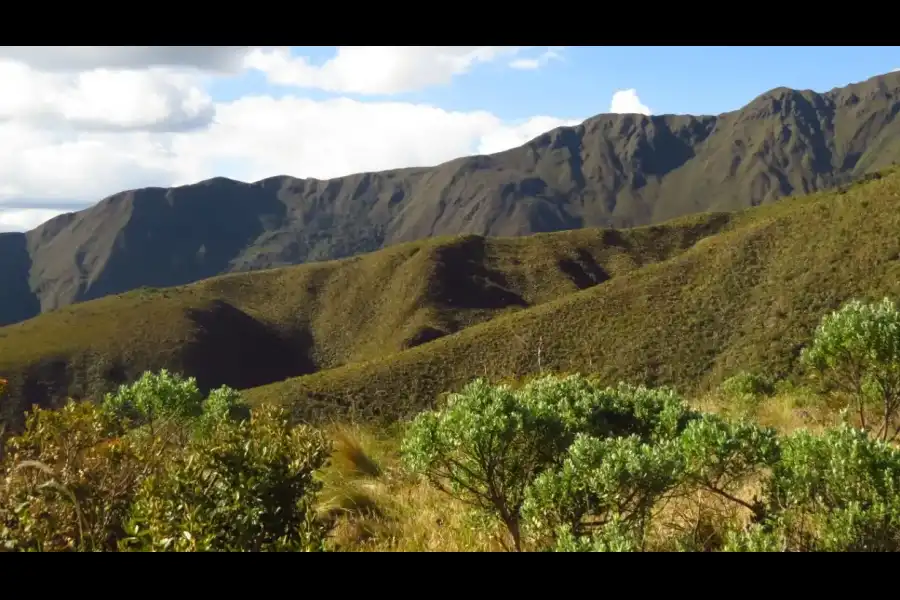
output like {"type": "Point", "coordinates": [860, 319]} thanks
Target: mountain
{"type": "Point", "coordinates": [610, 171]}
{"type": "Point", "coordinates": [685, 303]}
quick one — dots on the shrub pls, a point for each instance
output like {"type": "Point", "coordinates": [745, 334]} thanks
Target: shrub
{"type": "Point", "coordinates": [484, 448]}
{"type": "Point", "coordinates": [746, 384]}
{"type": "Point", "coordinates": [612, 486]}
{"type": "Point", "coordinates": [490, 443]}
{"type": "Point", "coordinates": [166, 402]}
{"type": "Point", "coordinates": [68, 481]}
{"type": "Point", "coordinates": [603, 483]}
{"type": "Point", "coordinates": [91, 477]}
{"type": "Point", "coordinates": [857, 350]}
{"type": "Point", "coordinates": [246, 486]}
{"type": "Point", "coordinates": [836, 492]}
{"type": "Point", "coordinates": [722, 457]}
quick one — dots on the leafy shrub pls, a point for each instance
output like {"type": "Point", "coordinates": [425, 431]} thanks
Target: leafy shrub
{"type": "Point", "coordinates": [836, 492]}
{"type": "Point", "coordinates": [722, 457]}
{"type": "Point", "coordinates": [857, 350]}
{"type": "Point", "coordinates": [618, 482]}
{"type": "Point", "coordinates": [68, 481]}
{"type": "Point", "coordinates": [490, 443]}
{"type": "Point", "coordinates": [157, 467]}
{"type": "Point", "coordinates": [158, 400]}
{"type": "Point", "coordinates": [746, 384]}
{"type": "Point", "coordinates": [611, 482]}
{"type": "Point", "coordinates": [247, 486]}
{"type": "Point", "coordinates": [613, 536]}
{"type": "Point", "coordinates": [484, 448]}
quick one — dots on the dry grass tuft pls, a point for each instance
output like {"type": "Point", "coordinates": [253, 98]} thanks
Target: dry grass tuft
{"type": "Point", "coordinates": [375, 506]}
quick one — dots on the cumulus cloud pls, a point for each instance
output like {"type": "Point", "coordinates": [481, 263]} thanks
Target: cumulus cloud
{"type": "Point", "coordinates": [153, 99]}
{"type": "Point", "coordinates": [73, 136]}
{"type": "Point", "coordinates": [530, 64]}
{"type": "Point", "coordinates": [628, 102]}
{"type": "Point", "coordinates": [253, 138]}
{"type": "Point", "coordinates": [374, 69]}
{"type": "Point", "coordinates": [83, 58]}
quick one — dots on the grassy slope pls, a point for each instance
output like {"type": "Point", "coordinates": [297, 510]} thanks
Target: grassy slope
{"type": "Point", "coordinates": [749, 296]}
{"type": "Point", "coordinates": [250, 329]}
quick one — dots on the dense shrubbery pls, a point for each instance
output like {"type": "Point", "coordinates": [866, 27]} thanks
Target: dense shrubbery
{"type": "Point", "coordinates": [158, 467]}
{"type": "Point", "coordinates": [568, 465]}
{"type": "Point", "coordinates": [560, 463]}
{"type": "Point", "coordinates": [856, 351]}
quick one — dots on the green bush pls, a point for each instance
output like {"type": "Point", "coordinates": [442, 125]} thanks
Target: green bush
{"type": "Point", "coordinates": [746, 384]}
{"type": "Point", "coordinates": [68, 481]}
{"type": "Point", "coordinates": [603, 482]}
{"type": "Point", "coordinates": [165, 402]}
{"type": "Point", "coordinates": [158, 467]}
{"type": "Point", "coordinates": [246, 486]}
{"type": "Point", "coordinates": [856, 350]}
{"type": "Point", "coordinates": [836, 492]}
{"type": "Point", "coordinates": [489, 444]}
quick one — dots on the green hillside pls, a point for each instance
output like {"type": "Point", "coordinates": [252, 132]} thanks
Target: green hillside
{"type": "Point", "coordinates": [747, 297]}
{"type": "Point", "coordinates": [250, 329]}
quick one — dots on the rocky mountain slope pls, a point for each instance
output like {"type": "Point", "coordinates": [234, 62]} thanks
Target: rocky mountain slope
{"type": "Point", "coordinates": [610, 171]}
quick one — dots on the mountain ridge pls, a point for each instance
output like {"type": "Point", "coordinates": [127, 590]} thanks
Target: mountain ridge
{"type": "Point", "coordinates": [616, 171]}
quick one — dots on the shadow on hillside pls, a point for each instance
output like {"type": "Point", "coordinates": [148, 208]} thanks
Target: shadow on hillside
{"type": "Point", "coordinates": [17, 301]}
{"type": "Point", "coordinates": [44, 384]}
{"type": "Point", "coordinates": [462, 280]}
{"type": "Point", "coordinates": [421, 336]}
{"type": "Point", "coordinates": [234, 349]}
{"type": "Point", "coordinates": [583, 270]}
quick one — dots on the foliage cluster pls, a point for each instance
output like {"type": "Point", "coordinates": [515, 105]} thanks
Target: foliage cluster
{"type": "Point", "coordinates": [568, 465]}
{"type": "Point", "coordinates": [156, 466]}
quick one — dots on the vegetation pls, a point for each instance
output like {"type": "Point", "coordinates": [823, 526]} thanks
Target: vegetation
{"type": "Point", "coordinates": [782, 434]}
{"type": "Point", "coordinates": [747, 298]}
{"type": "Point", "coordinates": [857, 350]}
{"type": "Point", "coordinates": [91, 477]}
{"type": "Point", "coordinates": [558, 463]}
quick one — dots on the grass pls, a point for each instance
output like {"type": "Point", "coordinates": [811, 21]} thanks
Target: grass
{"type": "Point", "coordinates": [250, 329]}
{"type": "Point", "coordinates": [377, 506]}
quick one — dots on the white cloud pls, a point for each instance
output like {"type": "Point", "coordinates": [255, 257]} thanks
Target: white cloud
{"type": "Point", "coordinates": [82, 58]}
{"type": "Point", "coordinates": [77, 136]}
{"type": "Point", "coordinates": [151, 99]}
{"type": "Point", "coordinates": [510, 136]}
{"type": "Point", "coordinates": [895, 70]}
{"type": "Point", "coordinates": [627, 102]}
{"type": "Point", "coordinates": [25, 219]}
{"type": "Point", "coordinates": [252, 138]}
{"type": "Point", "coordinates": [375, 69]}
{"type": "Point", "coordinates": [530, 64]}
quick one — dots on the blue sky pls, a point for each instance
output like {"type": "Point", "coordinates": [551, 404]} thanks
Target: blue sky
{"type": "Point", "coordinates": [679, 79]}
